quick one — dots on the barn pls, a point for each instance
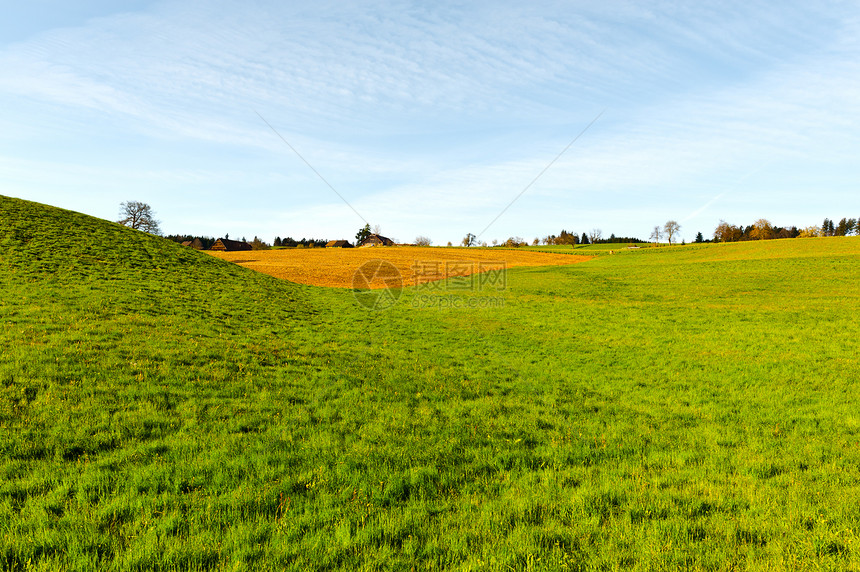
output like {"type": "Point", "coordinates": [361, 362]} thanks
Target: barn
{"type": "Point", "coordinates": [196, 244]}
{"type": "Point", "coordinates": [230, 245]}
{"type": "Point", "coordinates": [338, 244]}
{"type": "Point", "coordinates": [377, 240]}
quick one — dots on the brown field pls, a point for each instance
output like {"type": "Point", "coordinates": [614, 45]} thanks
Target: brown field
{"type": "Point", "coordinates": [409, 265]}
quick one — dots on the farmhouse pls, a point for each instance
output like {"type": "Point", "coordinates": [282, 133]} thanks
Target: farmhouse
{"type": "Point", "coordinates": [230, 245]}
{"type": "Point", "coordinates": [377, 240]}
{"type": "Point", "coordinates": [338, 244]}
{"type": "Point", "coordinates": [196, 244]}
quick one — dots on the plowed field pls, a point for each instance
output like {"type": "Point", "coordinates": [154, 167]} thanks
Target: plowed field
{"type": "Point", "coordinates": [340, 267]}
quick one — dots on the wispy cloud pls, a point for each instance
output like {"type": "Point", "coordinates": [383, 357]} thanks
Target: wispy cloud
{"type": "Point", "coordinates": [441, 114]}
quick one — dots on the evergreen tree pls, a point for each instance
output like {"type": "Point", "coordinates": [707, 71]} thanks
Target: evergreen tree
{"type": "Point", "coordinates": [584, 239]}
{"type": "Point", "coordinates": [699, 237]}
{"type": "Point", "coordinates": [362, 234]}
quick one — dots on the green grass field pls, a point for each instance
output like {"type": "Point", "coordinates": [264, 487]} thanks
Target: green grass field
{"type": "Point", "coordinates": [690, 407]}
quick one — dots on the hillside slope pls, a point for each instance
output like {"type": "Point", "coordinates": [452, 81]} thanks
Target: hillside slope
{"type": "Point", "coordinates": [120, 350]}
{"type": "Point", "coordinates": [71, 254]}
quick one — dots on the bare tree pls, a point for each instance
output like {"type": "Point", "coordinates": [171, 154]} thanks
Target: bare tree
{"type": "Point", "coordinates": [670, 229]}
{"type": "Point", "coordinates": [656, 234]}
{"type": "Point", "coordinates": [377, 229]}
{"type": "Point", "coordinates": [422, 241]}
{"type": "Point", "coordinates": [139, 216]}
{"type": "Point", "coordinates": [595, 235]}
{"type": "Point", "coordinates": [810, 232]}
{"type": "Point", "coordinates": [469, 240]}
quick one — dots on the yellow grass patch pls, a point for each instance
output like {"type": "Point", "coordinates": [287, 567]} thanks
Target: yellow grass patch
{"type": "Point", "coordinates": [337, 267]}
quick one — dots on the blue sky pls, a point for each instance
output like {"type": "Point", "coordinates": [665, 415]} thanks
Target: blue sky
{"type": "Point", "coordinates": [429, 119]}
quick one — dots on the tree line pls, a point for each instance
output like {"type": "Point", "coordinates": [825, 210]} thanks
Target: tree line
{"type": "Point", "coordinates": [289, 242]}
{"type": "Point", "coordinates": [206, 241]}
{"type": "Point", "coordinates": [593, 237]}
{"type": "Point", "coordinates": [762, 229]}
{"type": "Point", "coordinates": [845, 227]}
{"type": "Point", "coordinates": [563, 238]}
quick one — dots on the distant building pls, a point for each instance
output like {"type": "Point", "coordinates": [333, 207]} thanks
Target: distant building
{"type": "Point", "coordinates": [338, 244]}
{"type": "Point", "coordinates": [226, 244]}
{"type": "Point", "coordinates": [377, 240]}
{"type": "Point", "coordinates": [196, 244]}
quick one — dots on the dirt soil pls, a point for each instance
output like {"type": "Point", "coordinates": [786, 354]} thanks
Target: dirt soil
{"type": "Point", "coordinates": [387, 266]}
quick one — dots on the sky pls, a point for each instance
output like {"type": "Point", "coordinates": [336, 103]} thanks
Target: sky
{"type": "Point", "coordinates": [500, 119]}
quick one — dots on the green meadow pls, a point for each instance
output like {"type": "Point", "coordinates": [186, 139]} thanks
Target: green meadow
{"type": "Point", "coordinates": [691, 407]}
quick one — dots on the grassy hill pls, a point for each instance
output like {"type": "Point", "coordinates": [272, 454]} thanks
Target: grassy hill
{"type": "Point", "coordinates": [685, 407]}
